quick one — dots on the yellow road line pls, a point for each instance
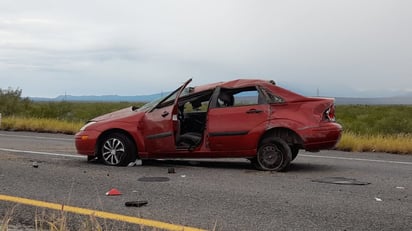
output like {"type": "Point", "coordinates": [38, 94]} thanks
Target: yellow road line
{"type": "Point", "coordinates": [96, 213]}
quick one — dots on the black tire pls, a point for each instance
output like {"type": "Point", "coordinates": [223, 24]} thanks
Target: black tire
{"type": "Point", "coordinates": [295, 152]}
{"type": "Point", "coordinates": [274, 154]}
{"type": "Point", "coordinates": [117, 149]}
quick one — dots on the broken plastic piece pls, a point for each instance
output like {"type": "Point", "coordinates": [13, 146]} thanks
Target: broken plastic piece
{"type": "Point", "coordinates": [113, 192]}
{"type": "Point", "coordinates": [138, 162]}
{"type": "Point", "coordinates": [378, 199]}
{"type": "Point", "coordinates": [135, 203]}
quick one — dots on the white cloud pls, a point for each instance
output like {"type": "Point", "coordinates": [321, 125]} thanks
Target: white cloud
{"type": "Point", "coordinates": [132, 47]}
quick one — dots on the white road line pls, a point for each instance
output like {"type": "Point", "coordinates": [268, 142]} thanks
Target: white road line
{"type": "Point", "coordinates": [41, 153]}
{"type": "Point", "coordinates": [37, 137]}
{"type": "Point", "coordinates": [357, 159]}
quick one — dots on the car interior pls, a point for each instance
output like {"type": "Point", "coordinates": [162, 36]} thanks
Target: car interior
{"type": "Point", "coordinates": [192, 112]}
{"type": "Point", "coordinates": [191, 120]}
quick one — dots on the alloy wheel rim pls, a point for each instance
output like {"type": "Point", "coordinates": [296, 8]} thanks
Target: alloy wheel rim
{"type": "Point", "coordinates": [112, 151]}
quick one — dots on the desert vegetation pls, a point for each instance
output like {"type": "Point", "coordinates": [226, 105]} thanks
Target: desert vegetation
{"type": "Point", "coordinates": [385, 128]}
{"type": "Point", "coordinates": [366, 128]}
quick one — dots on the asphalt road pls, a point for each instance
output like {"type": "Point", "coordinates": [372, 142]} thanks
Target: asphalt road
{"type": "Point", "coordinates": [366, 191]}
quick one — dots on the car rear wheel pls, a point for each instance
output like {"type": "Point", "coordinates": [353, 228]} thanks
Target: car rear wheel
{"type": "Point", "coordinates": [117, 149]}
{"type": "Point", "coordinates": [274, 154]}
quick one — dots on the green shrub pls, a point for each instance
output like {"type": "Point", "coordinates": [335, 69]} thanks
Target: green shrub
{"type": "Point", "coordinates": [374, 120]}
{"type": "Point", "coordinates": [12, 103]}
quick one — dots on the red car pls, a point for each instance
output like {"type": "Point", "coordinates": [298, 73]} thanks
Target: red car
{"type": "Point", "coordinates": [244, 118]}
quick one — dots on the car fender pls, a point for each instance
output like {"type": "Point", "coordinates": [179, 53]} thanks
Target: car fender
{"type": "Point", "coordinates": [285, 125]}
{"type": "Point", "coordinates": [130, 129]}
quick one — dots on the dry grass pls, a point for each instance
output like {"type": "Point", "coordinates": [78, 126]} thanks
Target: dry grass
{"type": "Point", "coordinates": [40, 125]}
{"type": "Point", "coordinates": [6, 219]}
{"type": "Point", "coordinates": [62, 221]}
{"type": "Point", "coordinates": [53, 222]}
{"type": "Point", "coordinates": [59, 222]}
{"type": "Point", "coordinates": [399, 144]}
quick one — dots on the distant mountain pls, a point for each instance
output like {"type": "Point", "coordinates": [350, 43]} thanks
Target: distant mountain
{"type": "Point", "coordinates": [400, 100]}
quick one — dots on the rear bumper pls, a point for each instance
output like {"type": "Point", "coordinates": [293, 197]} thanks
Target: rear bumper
{"type": "Point", "coordinates": [326, 136]}
{"type": "Point", "coordinates": [86, 142]}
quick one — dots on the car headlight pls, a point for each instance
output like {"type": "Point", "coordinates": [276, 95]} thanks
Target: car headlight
{"type": "Point", "coordinates": [87, 125]}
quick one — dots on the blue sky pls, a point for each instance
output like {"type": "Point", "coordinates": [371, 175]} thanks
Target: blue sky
{"type": "Point", "coordinates": [343, 48]}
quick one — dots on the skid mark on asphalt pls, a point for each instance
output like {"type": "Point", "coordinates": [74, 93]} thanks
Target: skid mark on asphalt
{"type": "Point", "coordinates": [99, 214]}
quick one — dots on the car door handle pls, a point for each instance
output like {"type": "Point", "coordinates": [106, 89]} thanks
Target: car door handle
{"type": "Point", "coordinates": [254, 111]}
{"type": "Point", "coordinates": [165, 113]}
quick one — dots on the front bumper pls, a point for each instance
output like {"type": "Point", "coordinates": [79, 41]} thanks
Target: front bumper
{"type": "Point", "coordinates": [85, 142]}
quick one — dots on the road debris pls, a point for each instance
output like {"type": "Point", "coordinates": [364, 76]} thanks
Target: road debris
{"type": "Point", "coordinates": [135, 203]}
{"type": "Point", "coordinates": [138, 162]}
{"type": "Point", "coordinates": [400, 187]}
{"type": "Point", "coordinates": [35, 164]}
{"type": "Point", "coordinates": [378, 199]}
{"type": "Point", "coordinates": [113, 192]}
{"type": "Point", "coordinates": [171, 170]}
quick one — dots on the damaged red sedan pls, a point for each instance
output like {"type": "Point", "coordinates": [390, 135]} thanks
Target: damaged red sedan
{"type": "Point", "coordinates": [245, 118]}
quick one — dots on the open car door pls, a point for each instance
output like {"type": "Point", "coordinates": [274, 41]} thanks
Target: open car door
{"type": "Point", "coordinates": [160, 124]}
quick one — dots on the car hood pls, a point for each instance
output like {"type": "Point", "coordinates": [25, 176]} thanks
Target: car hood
{"type": "Point", "coordinates": [122, 113]}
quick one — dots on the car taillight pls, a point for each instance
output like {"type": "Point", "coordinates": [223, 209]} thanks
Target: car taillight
{"type": "Point", "coordinates": [330, 113]}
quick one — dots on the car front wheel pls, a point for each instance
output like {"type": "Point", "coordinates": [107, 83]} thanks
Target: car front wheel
{"type": "Point", "coordinates": [117, 150]}
{"type": "Point", "coordinates": [274, 154]}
